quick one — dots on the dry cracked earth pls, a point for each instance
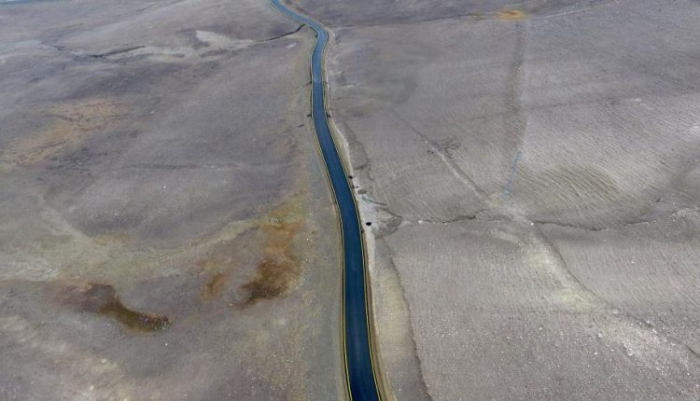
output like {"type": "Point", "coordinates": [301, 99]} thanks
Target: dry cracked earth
{"type": "Point", "coordinates": [531, 170]}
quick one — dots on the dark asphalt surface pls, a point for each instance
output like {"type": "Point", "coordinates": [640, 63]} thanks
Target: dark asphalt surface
{"type": "Point", "coordinates": [357, 344]}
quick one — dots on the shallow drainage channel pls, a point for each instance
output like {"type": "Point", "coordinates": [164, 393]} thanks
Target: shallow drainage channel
{"type": "Point", "coordinates": [358, 355]}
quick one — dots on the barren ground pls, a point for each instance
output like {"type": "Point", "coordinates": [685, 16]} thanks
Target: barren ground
{"type": "Point", "coordinates": [533, 177]}
{"type": "Point", "coordinates": [166, 229]}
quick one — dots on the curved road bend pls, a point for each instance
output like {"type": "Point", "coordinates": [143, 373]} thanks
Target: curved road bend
{"type": "Point", "coordinates": [358, 360]}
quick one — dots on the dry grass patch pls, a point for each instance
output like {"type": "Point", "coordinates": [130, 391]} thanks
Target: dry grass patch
{"type": "Point", "coordinates": [511, 15]}
{"type": "Point", "coordinates": [280, 269]}
{"type": "Point", "coordinates": [68, 126]}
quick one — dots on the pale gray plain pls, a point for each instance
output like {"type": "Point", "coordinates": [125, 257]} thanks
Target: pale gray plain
{"type": "Point", "coordinates": [166, 229]}
{"type": "Point", "coordinates": [533, 173]}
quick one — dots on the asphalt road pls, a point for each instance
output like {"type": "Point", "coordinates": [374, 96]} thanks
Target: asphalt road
{"type": "Point", "coordinates": [360, 372]}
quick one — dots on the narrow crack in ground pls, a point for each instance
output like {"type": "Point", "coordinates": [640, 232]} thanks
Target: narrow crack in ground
{"type": "Point", "coordinates": [111, 52]}
{"type": "Point", "coordinates": [456, 171]}
{"type": "Point", "coordinates": [456, 219]}
{"type": "Point", "coordinates": [282, 35]}
{"type": "Point", "coordinates": [596, 303]}
{"type": "Point", "coordinates": [126, 50]}
{"type": "Point", "coordinates": [592, 228]}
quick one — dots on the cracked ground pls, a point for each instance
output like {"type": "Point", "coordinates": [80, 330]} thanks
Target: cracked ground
{"type": "Point", "coordinates": [531, 171]}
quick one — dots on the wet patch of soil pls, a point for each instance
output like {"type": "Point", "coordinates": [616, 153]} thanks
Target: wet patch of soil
{"type": "Point", "coordinates": [280, 268]}
{"type": "Point", "coordinates": [215, 285]}
{"type": "Point", "coordinates": [102, 299]}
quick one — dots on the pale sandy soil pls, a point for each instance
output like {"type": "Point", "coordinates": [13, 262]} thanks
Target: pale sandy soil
{"type": "Point", "coordinates": [166, 228]}
{"type": "Point", "coordinates": [533, 180]}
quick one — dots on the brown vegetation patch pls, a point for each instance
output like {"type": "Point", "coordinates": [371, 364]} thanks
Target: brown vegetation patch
{"type": "Point", "coordinates": [280, 268]}
{"type": "Point", "coordinates": [102, 299]}
{"type": "Point", "coordinates": [215, 286]}
{"type": "Point", "coordinates": [511, 15]}
{"type": "Point", "coordinates": [69, 125]}
{"type": "Point", "coordinates": [217, 267]}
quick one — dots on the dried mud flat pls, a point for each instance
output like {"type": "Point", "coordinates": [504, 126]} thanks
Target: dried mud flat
{"type": "Point", "coordinates": [532, 174]}
{"type": "Point", "coordinates": [166, 229]}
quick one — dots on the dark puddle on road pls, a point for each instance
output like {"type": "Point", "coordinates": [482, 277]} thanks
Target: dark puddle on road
{"type": "Point", "coordinates": [102, 299]}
